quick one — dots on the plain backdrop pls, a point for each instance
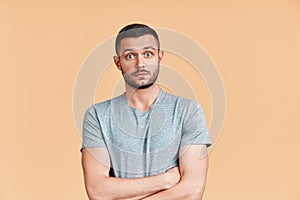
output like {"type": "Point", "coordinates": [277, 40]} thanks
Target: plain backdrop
{"type": "Point", "coordinates": [255, 45]}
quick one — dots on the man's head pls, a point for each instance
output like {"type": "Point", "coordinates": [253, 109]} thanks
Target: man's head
{"type": "Point", "coordinates": [134, 31]}
{"type": "Point", "coordinates": [138, 55]}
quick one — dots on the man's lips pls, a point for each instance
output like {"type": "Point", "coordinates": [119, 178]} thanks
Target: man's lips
{"type": "Point", "coordinates": [141, 73]}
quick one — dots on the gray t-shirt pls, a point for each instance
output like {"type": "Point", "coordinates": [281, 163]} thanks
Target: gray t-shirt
{"type": "Point", "coordinates": [147, 143]}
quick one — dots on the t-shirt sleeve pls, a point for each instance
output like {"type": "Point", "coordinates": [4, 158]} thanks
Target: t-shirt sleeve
{"type": "Point", "coordinates": [195, 130]}
{"type": "Point", "coordinates": [91, 130]}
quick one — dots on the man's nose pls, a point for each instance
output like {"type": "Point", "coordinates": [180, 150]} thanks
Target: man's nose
{"type": "Point", "coordinates": [140, 61]}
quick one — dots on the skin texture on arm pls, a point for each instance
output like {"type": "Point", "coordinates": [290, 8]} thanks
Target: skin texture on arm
{"type": "Point", "coordinates": [193, 168]}
{"type": "Point", "coordinates": [100, 186]}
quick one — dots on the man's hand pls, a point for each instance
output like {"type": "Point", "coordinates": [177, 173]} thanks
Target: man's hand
{"type": "Point", "coordinates": [172, 176]}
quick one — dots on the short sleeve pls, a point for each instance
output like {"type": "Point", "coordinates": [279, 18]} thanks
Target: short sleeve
{"type": "Point", "coordinates": [91, 130]}
{"type": "Point", "coordinates": [195, 130]}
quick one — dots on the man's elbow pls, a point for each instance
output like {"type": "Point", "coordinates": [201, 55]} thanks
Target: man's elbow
{"type": "Point", "coordinates": [196, 195]}
{"type": "Point", "coordinates": [94, 194]}
{"type": "Point", "coordinates": [193, 192]}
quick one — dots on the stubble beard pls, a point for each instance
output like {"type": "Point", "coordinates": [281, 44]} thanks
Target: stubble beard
{"type": "Point", "coordinates": [141, 86]}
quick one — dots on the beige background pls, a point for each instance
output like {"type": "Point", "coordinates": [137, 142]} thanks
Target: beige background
{"type": "Point", "coordinates": [255, 44]}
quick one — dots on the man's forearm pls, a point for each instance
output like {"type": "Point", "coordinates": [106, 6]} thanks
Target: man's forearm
{"type": "Point", "coordinates": [180, 191]}
{"type": "Point", "coordinates": [131, 188]}
{"type": "Point", "coordinates": [119, 188]}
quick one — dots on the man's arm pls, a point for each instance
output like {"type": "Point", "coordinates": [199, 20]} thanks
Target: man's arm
{"type": "Point", "coordinates": [95, 163]}
{"type": "Point", "coordinates": [193, 165]}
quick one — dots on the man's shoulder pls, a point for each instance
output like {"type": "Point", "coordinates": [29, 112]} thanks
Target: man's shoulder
{"type": "Point", "coordinates": [179, 100]}
{"type": "Point", "coordinates": [105, 105]}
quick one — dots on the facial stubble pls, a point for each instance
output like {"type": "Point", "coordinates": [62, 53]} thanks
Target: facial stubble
{"type": "Point", "coordinates": [135, 85]}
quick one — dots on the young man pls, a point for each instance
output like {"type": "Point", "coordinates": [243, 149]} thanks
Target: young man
{"type": "Point", "coordinates": [145, 143]}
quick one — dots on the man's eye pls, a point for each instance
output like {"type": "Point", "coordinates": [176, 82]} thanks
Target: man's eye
{"type": "Point", "coordinates": [130, 56]}
{"type": "Point", "coordinates": [148, 54]}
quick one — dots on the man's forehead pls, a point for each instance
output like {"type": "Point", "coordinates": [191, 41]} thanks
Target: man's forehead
{"type": "Point", "coordinates": [138, 42]}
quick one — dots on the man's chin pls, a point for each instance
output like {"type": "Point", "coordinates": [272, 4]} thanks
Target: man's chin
{"type": "Point", "coordinates": [140, 86]}
{"type": "Point", "coordinates": [144, 86]}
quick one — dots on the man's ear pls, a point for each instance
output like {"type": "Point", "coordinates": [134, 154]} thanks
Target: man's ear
{"type": "Point", "coordinates": [117, 62]}
{"type": "Point", "coordinates": [160, 55]}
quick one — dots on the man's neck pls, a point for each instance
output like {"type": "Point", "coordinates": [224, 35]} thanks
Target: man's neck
{"type": "Point", "coordinates": [142, 99]}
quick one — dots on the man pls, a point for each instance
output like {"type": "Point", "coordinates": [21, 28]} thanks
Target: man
{"type": "Point", "coordinates": [145, 143]}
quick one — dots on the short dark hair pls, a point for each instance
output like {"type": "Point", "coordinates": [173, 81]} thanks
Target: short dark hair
{"type": "Point", "coordinates": [134, 30]}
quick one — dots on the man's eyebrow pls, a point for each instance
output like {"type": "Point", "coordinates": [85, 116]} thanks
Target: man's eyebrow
{"type": "Point", "coordinates": [127, 50]}
{"type": "Point", "coordinates": [147, 47]}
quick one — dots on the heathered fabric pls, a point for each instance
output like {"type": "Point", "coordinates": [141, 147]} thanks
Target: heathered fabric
{"type": "Point", "coordinates": [147, 143]}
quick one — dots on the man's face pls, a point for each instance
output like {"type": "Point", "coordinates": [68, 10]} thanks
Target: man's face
{"type": "Point", "coordinates": [139, 60]}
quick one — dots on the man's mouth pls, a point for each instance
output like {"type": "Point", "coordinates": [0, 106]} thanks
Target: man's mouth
{"type": "Point", "coordinates": [141, 73]}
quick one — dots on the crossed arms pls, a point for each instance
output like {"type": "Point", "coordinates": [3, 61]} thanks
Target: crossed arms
{"type": "Point", "coordinates": [187, 182]}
